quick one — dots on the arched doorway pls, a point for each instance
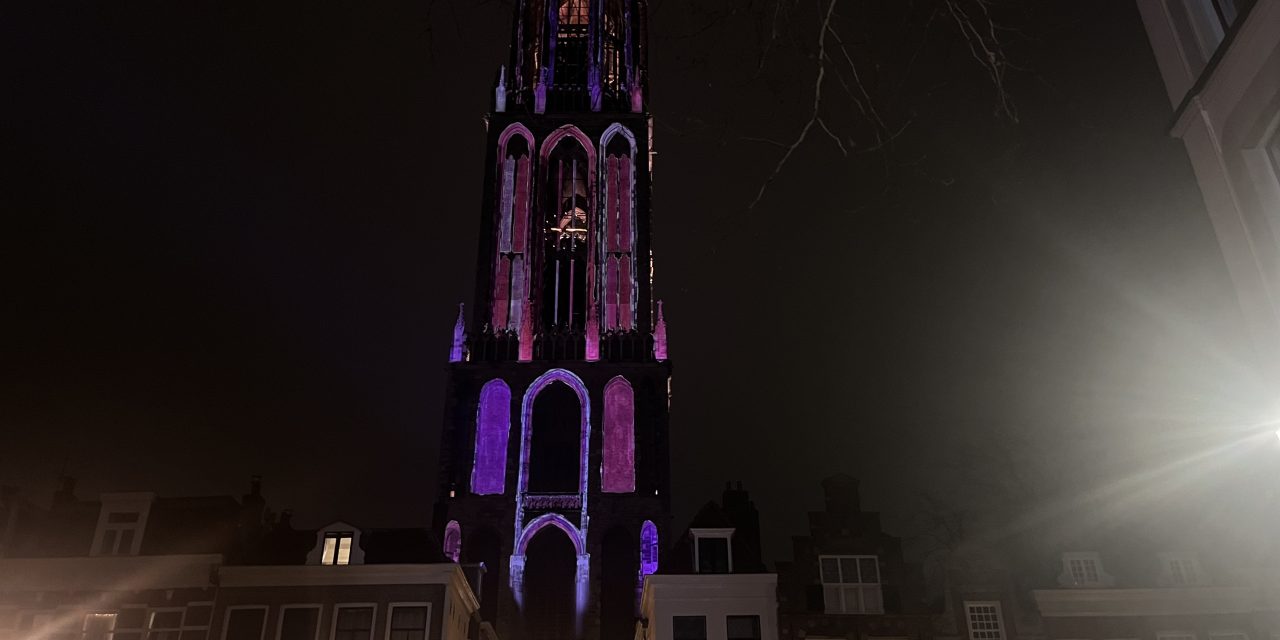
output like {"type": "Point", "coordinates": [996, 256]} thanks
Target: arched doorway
{"type": "Point", "coordinates": [550, 586]}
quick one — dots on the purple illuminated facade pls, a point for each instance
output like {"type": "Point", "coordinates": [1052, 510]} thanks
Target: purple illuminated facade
{"type": "Point", "coordinates": [554, 461]}
{"type": "Point", "coordinates": [493, 428]}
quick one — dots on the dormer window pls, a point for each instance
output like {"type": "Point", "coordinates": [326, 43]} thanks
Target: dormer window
{"type": "Point", "coordinates": [121, 523]}
{"type": "Point", "coordinates": [337, 548]}
{"type": "Point", "coordinates": [1083, 569]}
{"type": "Point", "coordinates": [337, 545]}
{"type": "Point", "coordinates": [1181, 569]}
{"type": "Point", "coordinates": [713, 550]}
{"type": "Point", "coordinates": [118, 535]}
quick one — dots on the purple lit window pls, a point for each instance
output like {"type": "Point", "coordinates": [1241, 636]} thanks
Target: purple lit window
{"type": "Point", "coordinates": [493, 427]}
{"type": "Point", "coordinates": [619, 472]}
{"type": "Point", "coordinates": [453, 541]}
{"type": "Point", "coordinates": [648, 548]}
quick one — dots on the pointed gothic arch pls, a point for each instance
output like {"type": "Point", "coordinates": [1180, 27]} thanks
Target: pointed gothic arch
{"type": "Point", "coordinates": [493, 429]}
{"type": "Point", "coordinates": [617, 155]}
{"type": "Point", "coordinates": [550, 520]}
{"type": "Point", "coordinates": [618, 462]}
{"type": "Point", "coordinates": [526, 425]}
{"type": "Point", "coordinates": [516, 151]}
{"type": "Point", "coordinates": [567, 262]}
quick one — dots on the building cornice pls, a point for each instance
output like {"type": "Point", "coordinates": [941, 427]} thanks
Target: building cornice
{"type": "Point", "coordinates": [1067, 603]}
{"type": "Point", "coordinates": [109, 573]}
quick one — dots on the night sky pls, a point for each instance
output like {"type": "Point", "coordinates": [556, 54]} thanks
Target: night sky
{"type": "Point", "coordinates": [236, 235]}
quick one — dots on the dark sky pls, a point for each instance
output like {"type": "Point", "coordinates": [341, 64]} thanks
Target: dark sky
{"type": "Point", "coordinates": [237, 233]}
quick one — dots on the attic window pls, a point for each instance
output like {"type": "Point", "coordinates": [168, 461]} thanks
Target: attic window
{"type": "Point", "coordinates": [118, 534]}
{"type": "Point", "coordinates": [337, 548]}
{"type": "Point", "coordinates": [1181, 569]}
{"type": "Point", "coordinates": [1082, 569]}
{"type": "Point", "coordinates": [713, 550]}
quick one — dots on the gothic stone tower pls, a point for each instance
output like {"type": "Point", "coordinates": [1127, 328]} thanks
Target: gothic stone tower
{"type": "Point", "coordinates": [554, 464]}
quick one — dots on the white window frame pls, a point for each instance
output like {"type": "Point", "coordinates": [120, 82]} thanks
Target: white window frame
{"type": "Point", "coordinates": [861, 586]}
{"type": "Point", "coordinates": [969, 605]}
{"type": "Point", "coordinates": [337, 537]}
{"type": "Point", "coordinates": [759, 619]}
{"type": "Point", "coordinates": [226, 617]}
{"type": "Point", "coordinates": [186, 623]}
{"type": "Point", "coordinates": [337, 608]}
{"type": "Point", "coordinates": [138, 504]}
{"type": "Point", "coordinates": [711, 534]}
{"type": "Point", "coordinates": [285, 607]}
{"type": "Point", "coordinates": [1189, 562]}
{"type": "Point", "coordinates": [141, 630]}
{"type": "Point", "coordinates": [391, 614]}
{"type": "Point", "coordinates": [151, 633]}
{"type": "Point", "coordinates": [84, 624]}
{"type": "Point", "coordinates": [1070, 557]}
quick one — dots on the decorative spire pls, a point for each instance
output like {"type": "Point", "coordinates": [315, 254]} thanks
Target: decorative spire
{"type": "Point", "coordinates": [526, 337]}
{"type": "Point", "coordinates": [660, 336]}
{"type": "Point", "coordinates": [459, 336]}
{"type": "Point", "coordinates": [500, 93]}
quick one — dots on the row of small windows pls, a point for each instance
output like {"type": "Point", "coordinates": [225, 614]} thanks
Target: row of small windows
{"type": "Point", "coordinates": [695, 627]}
{"type": "Point", "coordinates": [1084, 569]}
{"type": "Point", "coordinates": [296, 622]}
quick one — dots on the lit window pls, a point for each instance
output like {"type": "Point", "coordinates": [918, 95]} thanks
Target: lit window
{"type": "Point", "coordinates": [742, 627]}
{"type": "Point", "coordinates": [164, 624]}
{"type": "Point", "coordinates": [337, 548]}
{"type": "Point", "coordinates": [353, 623]}
{"type": "Point", "coordinates": [851, 584]}
{"type": "Point", "coordinates": [98, 626]}
{"type": "Point", "coordinates": [713, 550]}
{"type": "Point", "coordinates": [984, 620]}
{"type": "Point", "coordinates": [689, 627]}
{"type": "Point", "coordinates": [408, 623]}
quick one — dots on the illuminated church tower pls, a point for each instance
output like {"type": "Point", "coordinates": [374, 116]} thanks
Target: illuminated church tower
{"type": "Point", "coordinates": [554, 464]}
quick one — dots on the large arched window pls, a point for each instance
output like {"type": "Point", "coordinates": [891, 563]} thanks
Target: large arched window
{"type": "Point", "coordinates": [556, 442]}
{"type": "Point", "coordinates": [618, 472]}
{"type": "Point", "coordinates": [511, 275]}
{"type": "Point", "coordinates": [618, 150]}
{"type": "Point", "coordinates": [493, 428]}
{"type": "Point", "coordinates": [567, 230]}
{"type": "Point", "coordinates": [453, 541]}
